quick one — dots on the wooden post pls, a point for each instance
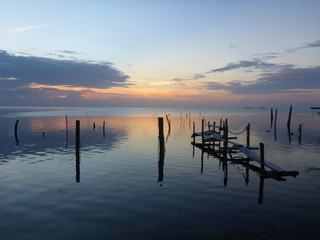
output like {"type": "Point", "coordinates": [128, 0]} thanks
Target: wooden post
{"type": "Point", "coordinates": [94, 126]}
{"type": "Point", "coordinates": [194, 131]}
{"type": "Point", "coordinates": [77, 150]}
{"type": "Point", "coordinates": [160, 125]}
{"type": "Point", "coordinates": [169, 123]}
{"type": "Point", "coordinates": [220, 125]}
{"type": "Point", "coordinates": [16, 132]}
{"type": "Point", "coordinates": [300, 132]}
{"type": "Point", "coordinates": [262, 156]}
{"type": "Point", "coordinates": [225, 135]}
{"type": "Point", "coordinates": [248, 135]}
{"type": "Point", "coordinates": [289, 124]}
{"type": "Point", "coordinates": [67, 132]}
{"type": "Point", "coordinates": [275, 125]}
{"type": "Point", "coordinates": [202, 131]}
{"type": "Point", "coordinates": [289, 118]}
{"type": "Point", "coordinates": [271, 122]}
{"type": "Point", "coordinates": [104, 129]}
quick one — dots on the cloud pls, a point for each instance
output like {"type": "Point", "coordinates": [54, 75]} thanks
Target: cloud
{"type": "Point", "coordinates": [255, 64]}
{"type": "Point", "coordinates": [314, 44]}
{"type": "Point", "coordinates": [198, 76]}
{"type": "Point", "coordinates": [47, 71]}
{"type": "Point", "coordinates": [284, 80]}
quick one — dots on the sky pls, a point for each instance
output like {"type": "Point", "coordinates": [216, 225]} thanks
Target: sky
{"type": "Point", "coordinates": [151, 53]}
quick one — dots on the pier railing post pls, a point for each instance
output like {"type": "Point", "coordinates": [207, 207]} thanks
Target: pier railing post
{"type": "Point", "coordinates": [248, 135]}
{"type": "Point", "coordinates": [225, 135]}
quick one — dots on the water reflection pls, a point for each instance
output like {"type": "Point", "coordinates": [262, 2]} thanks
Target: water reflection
{"type": "Point", "coordinates": [44, 136]}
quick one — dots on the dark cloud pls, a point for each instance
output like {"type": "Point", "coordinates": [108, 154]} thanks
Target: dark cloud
{"type": "Point", "coordinates": [198, 76]}
{"type": "Point", "coordinates": [284, 80]}
{"type": "Point", "coordinates": [314, 44]}
{"type": "Point", "coordinates": [233, 46]}
{"type": "Point", "coordinates": [47, 71]}
{"type": "Point", "coordinates": [251, 64]}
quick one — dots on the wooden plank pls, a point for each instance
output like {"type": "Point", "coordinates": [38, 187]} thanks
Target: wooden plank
{"type": "Point", "coordinates": [256, 158]}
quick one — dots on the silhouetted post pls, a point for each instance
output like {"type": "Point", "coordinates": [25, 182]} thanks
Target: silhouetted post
{"type": "Point", "coordinates": [261, 186]}
{"type": "Point", "coordinates": [262, 156]}
{"type": "Point", "coordinates": [289, 124]}
{"type": "Point", "coordinates": [78, 150]}
{"type": "Point", "coordinates": [289, 118]}
{"type": "Point", "coordinates": [275, 125]}
{"type": "Point", "coordinates": [160, 125]}
{"type": "Point", "coordinates": [169, 122]}
{"type": "Point", "coordinates": [16, 132]}
{"type": "Point", "coordinates": [271, 118]}
{"type": "Point", "coordinates": [202, 131]}
{"type": "Point", "coordinates": [94, 126]}
{"type": "Point", "coordinates": [225, 135]}
{"type": "Point", "coordinates": [67, 132]}
{"type": "Point", "coordinates": [213, 140]}
{"type": "Point", "coordinates": [220, 125]}
{"type": "Point", "coordinates": [248, 135]}
{"type": "Point", "coordinates": [194, 132]}
{"type": "Point", "coordinates": [104, 128]}
{"type": "Point", "coordinates": [300, 132]}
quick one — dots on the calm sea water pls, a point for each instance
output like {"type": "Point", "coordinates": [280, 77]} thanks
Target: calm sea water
{"type": "Point", "coordinates": [116, 187]}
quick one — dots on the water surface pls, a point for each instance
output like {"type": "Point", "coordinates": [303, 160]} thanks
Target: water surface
{"type": "Point", "coordinates": [121, 187]}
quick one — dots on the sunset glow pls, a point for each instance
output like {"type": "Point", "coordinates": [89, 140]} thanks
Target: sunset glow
{"type": "Point", "coordinates": [227, 53]}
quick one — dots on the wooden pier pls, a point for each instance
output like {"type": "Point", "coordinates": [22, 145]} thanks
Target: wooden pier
{"type": "Point", "coordinates": [216, 140]}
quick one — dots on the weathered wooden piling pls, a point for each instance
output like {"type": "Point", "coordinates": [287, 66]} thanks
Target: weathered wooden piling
{"type": "Point", "coordinates": [289, 118]}
{"type": "Point", "coordinates": [225, 135]}
{"type": "Point", "coordinates": [67, 132]}
{"type": "Point", "coordinates": [289, 124]}
{"type": "Point", "coordinates": [16, 132]}
{"type": "Point", "coordinates": [169, 122]}
{"type": "Point", "coordinates": [160, 125]}
{"type": "Point", "coordinates": [275, 125]}
{"type": "Point", "coordinates": [94, 126]}
{"type": "Point", "coordinates": [202, 131]}
{"type": "Point", "coordinates": [300, 132]}
{"type": "Point", "coordinates": [248, 135]}
{"type": "Point", "coordinates": [262, 157]}
{"type": "Point", "coordinates": [194, 131]}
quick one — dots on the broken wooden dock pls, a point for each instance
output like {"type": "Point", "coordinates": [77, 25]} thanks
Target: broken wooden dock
{"type": "Point", "coordinates": [216, 140]}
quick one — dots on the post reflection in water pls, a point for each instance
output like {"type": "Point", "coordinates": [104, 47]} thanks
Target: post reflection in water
{"type": "Point", "coordinates": [77, 151]}
{"type": "Point", "coordinates": [261, 186]}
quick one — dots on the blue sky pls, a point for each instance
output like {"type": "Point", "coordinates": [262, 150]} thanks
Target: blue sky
{"type": "Point", "coordinates": [159, 53]}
